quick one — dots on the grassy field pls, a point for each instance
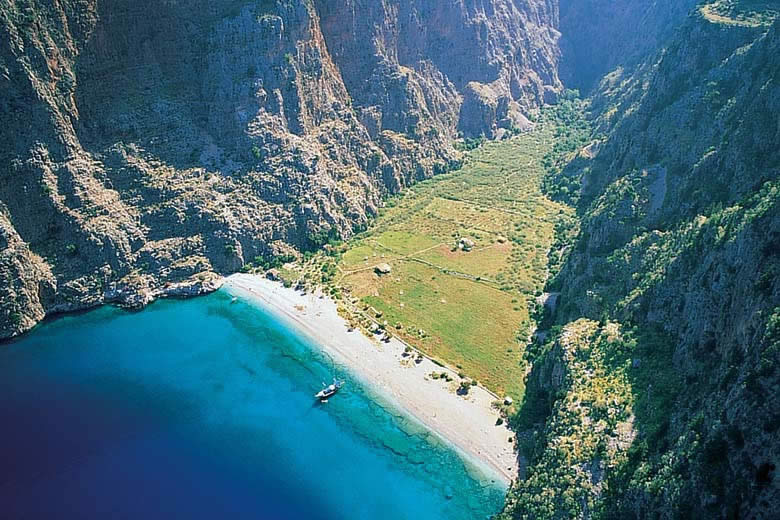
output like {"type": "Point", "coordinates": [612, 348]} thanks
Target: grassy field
{"type": "Point", "coordinates": [465, 308]}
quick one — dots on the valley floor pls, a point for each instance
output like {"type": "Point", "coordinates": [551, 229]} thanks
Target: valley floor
{"type": "Point", "coordinates": [468, 422]}
{"type": "Point", "coordinates": [465, 257]}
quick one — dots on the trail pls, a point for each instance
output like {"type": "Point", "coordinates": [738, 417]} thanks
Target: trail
{"type": "Point", "coordinates": [390, 261]}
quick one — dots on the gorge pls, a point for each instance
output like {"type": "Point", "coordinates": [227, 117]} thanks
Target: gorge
{"type": "Point", "coordinates": [151, 148]}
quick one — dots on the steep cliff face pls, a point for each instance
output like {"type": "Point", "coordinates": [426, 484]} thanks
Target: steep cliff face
{"type": "Point", "coordinates": [599, 36]}
{"type": "Point", "coordinates": [679, 246]}
{"type": "Point", "coordinates": [468, 66]}
{"type": "Point", "coordinates": [148, 145]}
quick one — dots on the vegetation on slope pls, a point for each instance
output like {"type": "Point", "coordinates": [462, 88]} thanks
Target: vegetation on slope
{"type": "Point", "coordinates": [572, 132]}
{"type": "Point", "coordinates": [592, 412]}
{"type": "Point", "coordinates": [654, 394]}
{"type": "Point", "coordinates": [596, 424]}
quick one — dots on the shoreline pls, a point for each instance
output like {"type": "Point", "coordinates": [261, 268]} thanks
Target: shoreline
{"type": "Point", "coordinates": [466, 423]}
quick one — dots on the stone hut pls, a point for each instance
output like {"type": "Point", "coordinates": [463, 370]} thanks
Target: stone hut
{"type": "Point", "coordinates": [466, 244]}
{"type": "Point", "coordinates": [383, 269]}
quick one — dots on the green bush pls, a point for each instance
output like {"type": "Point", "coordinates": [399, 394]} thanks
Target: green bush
{"type": "Point", "coordinates": [257, 153]}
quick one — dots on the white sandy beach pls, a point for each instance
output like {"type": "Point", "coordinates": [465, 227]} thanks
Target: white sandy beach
{"type": "Point", "coordinates": [469, 423]}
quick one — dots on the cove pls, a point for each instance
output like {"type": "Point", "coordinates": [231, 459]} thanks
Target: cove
{"type": "Point", "coordinates": [202, 408]}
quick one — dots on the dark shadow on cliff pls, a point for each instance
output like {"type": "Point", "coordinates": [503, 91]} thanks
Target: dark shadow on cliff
{"type": "Point", "coordinates": [139, 81]}
{"type": "Point", "coordinates": [151, 78]}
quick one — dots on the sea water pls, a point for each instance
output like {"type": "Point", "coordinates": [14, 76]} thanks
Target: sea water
{"type": "Point", "coordinates": [204, 409]}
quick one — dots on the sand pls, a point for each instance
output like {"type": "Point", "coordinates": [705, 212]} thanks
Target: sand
{"type": "Point", "coordinates": [466, 422]}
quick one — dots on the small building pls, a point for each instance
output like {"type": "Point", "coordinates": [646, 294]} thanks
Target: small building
{"type": "Point", "coordinates": [273, 274]}
{"type": "Point", "coordinates": [383, 269]}
{"type": "Point", "coordinates": [466, 244]}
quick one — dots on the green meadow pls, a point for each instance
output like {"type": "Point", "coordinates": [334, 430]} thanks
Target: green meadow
{"type": "Point", "coordinates": [467, 307]}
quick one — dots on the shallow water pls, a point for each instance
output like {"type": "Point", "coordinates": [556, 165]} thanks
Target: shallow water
{"type": "Point", "coordinates": [201, 409]}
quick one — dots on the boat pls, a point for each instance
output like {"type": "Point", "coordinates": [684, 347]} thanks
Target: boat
{"type": "Point", "coordinates": [329, 390]}
{"type": "Point", "coordinates": [234, 300]}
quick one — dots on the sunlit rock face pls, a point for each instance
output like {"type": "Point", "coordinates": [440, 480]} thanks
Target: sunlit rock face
{"type": "Point", "coordinates": [151, 144]}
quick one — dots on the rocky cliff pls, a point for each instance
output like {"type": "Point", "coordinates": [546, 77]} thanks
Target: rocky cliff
{"type": "Point", "coordinates": [656, 394]}
{"type": "Point", "coordinates": [148, 145]}
{"type": "Point", "coordinates": [601, 36]}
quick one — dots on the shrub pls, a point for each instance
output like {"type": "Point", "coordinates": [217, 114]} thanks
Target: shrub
{"type": "Point", "coordinates": [257, 153]}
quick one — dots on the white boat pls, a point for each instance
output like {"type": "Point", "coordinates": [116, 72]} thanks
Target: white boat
{"type": "Point", "coordinates": [329, 390]}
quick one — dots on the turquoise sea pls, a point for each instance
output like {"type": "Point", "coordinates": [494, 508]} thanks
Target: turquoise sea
{"type": "Point", "coordinates": [203, 409]}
